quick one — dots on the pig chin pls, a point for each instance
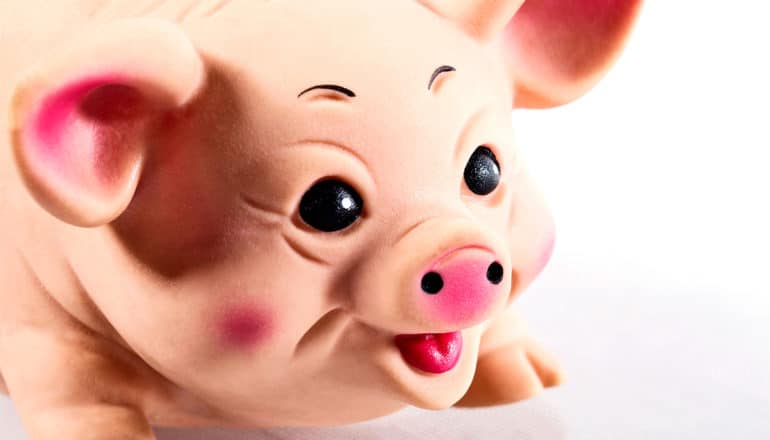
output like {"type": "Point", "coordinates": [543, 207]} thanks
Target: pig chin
{"type": "Point", "coordinates": [451, 377]}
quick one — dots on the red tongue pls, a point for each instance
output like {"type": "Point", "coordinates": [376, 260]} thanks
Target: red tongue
{"type": "Point", "coordinates": [432, 353]}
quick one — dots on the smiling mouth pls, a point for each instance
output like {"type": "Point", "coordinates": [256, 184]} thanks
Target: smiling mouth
{"type": "Point", "coordinates": [431, 352]}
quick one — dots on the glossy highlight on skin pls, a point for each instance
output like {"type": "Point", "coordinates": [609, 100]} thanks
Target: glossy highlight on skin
{"type": "Point", "coordinates": [245, 327]}
{"type": "Point", "coordinates": [431, 353]}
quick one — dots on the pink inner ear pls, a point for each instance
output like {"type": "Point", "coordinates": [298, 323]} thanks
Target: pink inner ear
{"type": "Point", "coordinates": [86, 131]}
{"type": "Point", "coordinates": [570, 37]}
{"type": "Point", "coordinates": [559, 48]}
{"type": "Point", "coordinates": [56, 111]}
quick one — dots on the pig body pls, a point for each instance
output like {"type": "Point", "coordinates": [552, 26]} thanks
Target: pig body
{"type": "Point", "coordinates": [261, 213]}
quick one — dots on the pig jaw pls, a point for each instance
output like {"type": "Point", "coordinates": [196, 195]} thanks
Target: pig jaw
{"type": "Point", "coordinates": [433, 390]}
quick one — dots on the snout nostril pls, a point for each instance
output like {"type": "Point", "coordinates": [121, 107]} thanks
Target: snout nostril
{"type": "Point", "coordinates": [432, 283]}
{"type": "Point", "coordinates": [495, 273]}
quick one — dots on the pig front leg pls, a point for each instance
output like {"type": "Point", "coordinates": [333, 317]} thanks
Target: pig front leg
{"type": "Point", "coordinates": [512, 366]}
{"type": "Point", "coordinates": [67, 382]}
{"type": "Point", "coordinates": [65, 389]}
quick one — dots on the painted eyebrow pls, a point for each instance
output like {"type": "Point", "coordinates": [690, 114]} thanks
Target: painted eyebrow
{"type": "Point", "coordinates": [339, 89]}
{"type": "Point", "coordinates": [439, 70]}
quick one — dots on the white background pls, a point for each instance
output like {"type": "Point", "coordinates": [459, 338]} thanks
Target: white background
{"type": "Point", "coordinates": [657, 299]}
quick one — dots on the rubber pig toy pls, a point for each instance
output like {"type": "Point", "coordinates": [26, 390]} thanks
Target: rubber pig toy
{"type": "Point", "coordinates": [275, 212]}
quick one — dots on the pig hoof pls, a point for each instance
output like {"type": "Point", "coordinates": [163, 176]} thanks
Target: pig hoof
{"type": "Point", "coordinates": [511, 373]}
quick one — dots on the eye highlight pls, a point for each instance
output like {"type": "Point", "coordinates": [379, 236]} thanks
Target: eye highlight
{"type": "Point", "coordinates": [482, 173]}
{"type": "Point", "coordinates": [330, 206]}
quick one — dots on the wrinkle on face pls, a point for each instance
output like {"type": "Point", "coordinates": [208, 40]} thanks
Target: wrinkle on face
{"type": "Point", "coordinates": [174, 10]}
{"type": "Point", "coordinates": [303, 252]}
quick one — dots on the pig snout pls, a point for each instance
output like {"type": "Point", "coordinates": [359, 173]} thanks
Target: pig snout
{"type": "Point", "coordinates": [443, 276]}
{"type": "Point", "coordinates": [461, 285]}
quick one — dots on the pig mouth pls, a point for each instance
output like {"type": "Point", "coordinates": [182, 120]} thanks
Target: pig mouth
{"type": "Point", "coordinates": [434, 353]}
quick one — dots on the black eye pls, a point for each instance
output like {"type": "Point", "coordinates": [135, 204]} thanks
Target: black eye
{"type": "Point", "coordinates": [482, 174]}
{"type": "Point", "coordinates": [330, 205]}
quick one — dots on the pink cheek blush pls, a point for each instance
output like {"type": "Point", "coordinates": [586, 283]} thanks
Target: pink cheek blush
{"type": "Point", "coordinates": [245, 327]}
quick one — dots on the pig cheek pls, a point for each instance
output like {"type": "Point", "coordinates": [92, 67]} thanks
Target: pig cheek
{"type": "Point", "coordinates": [178, 220]}
{"type": "Point", "coordinates": [546, 252]}
{"type": "Point", "coordinates": [532, 264]}
{"type": "Point", "coordinates": [245, 327]}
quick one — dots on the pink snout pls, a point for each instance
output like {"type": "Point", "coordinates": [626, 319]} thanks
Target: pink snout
{"type": "Point", "coordinates": [462, 286]}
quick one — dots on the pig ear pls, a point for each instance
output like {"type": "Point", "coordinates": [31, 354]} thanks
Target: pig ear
{"type": "Point", "coordinates": [482, 19]}
{"type": "Point", "coordinates": [82, 119]}
{"type": "Point", "coordinates": [556, 50]}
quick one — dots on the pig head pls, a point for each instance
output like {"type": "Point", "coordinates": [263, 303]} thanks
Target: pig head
{"type": "Point", "coordinates": [292, 212]}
